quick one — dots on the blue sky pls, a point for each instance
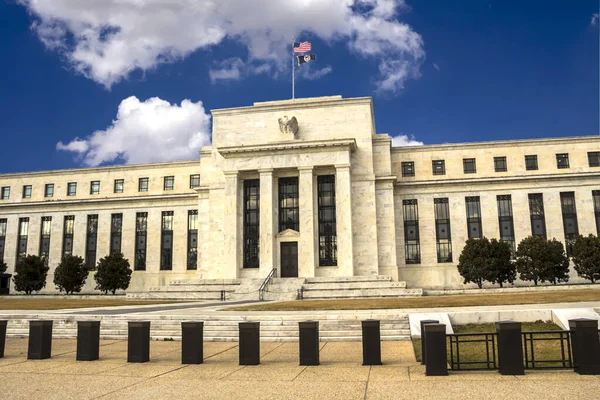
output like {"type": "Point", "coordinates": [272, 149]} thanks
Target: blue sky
{"type": "Point", "coordinates": [438, 71]}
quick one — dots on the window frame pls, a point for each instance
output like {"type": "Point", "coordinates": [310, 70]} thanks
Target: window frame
{"type": "Point", "coordinates": [506, 214]}
{"type": "Point", "coordinates": [538, 214]}
{"type": "Point", "coordinates": [69, 186]}
{"type": "Point", "coordinates": [146, 181]}
{"type": "Point", "coordinates": [500, 164]}
{"type": "Point", "coordinates": [591, 162]}
{"type": "Point", "coordinates": [46, 187]}
{"type": "Point", "coordinates": [116, 187]}
{"type": "Point", "coordinates": [5, 193]}
{"type": "Point", "coordinates": [408, 169]}
{"type": "Point", "coordinates": [192, 178]}
{"type": "Point", "coordinates": [442, 204]}
{"type": "Point", "coordinates": [438, 163]}
{"type": "Point", "coordinates": [192, 235]}
{"type": "Point", "coordinates": [569, 211]}
{"type": "Point", "coordinates": [167, 226]}
{"type": "Point", "coordinates": [327, 240]}
{"type": "Point", "coordinates": [562, 161]}
{"type": "Point", "coordinates": [469, 165]}
{"type": "Point", "coordinates": [473, 203]}
{"type": "Point", "coordinates": [25, 194]}
{"type": "Point", "coordinates": [412, 247]}
{"type": "Point", "coordinates": [251, 230]}
{"type": "Point", "coordinates": [94, 187]}
{"type": "Point", "coordinates": [288, 189]}
{"type": "Point", "coordinates": [171, 179]}
{"type": "Point", "coordinates": [531, 158]}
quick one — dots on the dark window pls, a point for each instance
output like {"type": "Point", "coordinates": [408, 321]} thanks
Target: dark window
{"type": "Point", "coordinates": [169, 183]}
{"type": "Point", "coordinates": [68, 230]}
{"type": "Point", "coordinates": [531, 163]}
{"type": "Point", "coordinates": [594, 158]}
{"type": "Point", "coordinates": [562, 161]}
{"type": "Point", "coordinates": [116, 230]}
{"type": "Point", "coordinates": [469, 165]}
{"type": "Point", "coordinates": [536, 214]}
{"type": "Point", "coordinates": [90, 242]}
{"type": "Point", "coordinates": [141, 229]}
{"type": "Point", "coordinates": [2, 238]}
{"type": "Point", "coordinates": [95, 187]}
{"type": "Point", "coordinates": [143, 185]}
{"type": "Point", "coordinates": [71, 189]}
{"type": "Point", "coordinates": [569, 214]}
{"type": "Point", "coordinates": [327, 220]}
{"type": "Point", "coordinates": [505, 220]}
{"type": "Point", "coordinates": [194, 181]}
{"type": "Point", "coordinates": [473, 205]}
{"type": "Point", "coordinates": [438, 167]}
{"type": "Point", "coordinates": [442, 230]}
{"type": "Point", "coordinates": [192, 253]}
{"type": "Point", "coordinates": [22, 238]}
{"type": "Point", "coordinates": [500, 164]}
{"type": "Point", "coordinates": [251, 223]}
{"type": "Point", "coordinates": [49, 190]}
{"type": "Point", "coordinates": [596, 197]}
{"type": "Point", "coordinates": [408, 168]}
{"type": "Point", "coordinates": [27, 191]}
{"type": "Point", "coordinates": [289, 216]}
{"type": "Point", "coordinates": [412, 245]}
{"type": "Point", "coordinates": [166, 241]}
{"type": "Point", "coordinates": [119, 185]}
{"type": "Point", "coordinates": [5, 193]}
{"type": "Point", "coordinates": [45, 239]}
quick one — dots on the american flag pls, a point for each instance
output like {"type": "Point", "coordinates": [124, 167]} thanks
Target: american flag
{"type": "Point", "coordinates": [302, 47]}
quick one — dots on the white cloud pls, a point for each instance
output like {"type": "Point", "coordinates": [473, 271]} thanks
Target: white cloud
{"type": "Point", "coordinates": [437, 67]}
{"type": "Point", "coordinates": [305, 72]}
{"type": "Point", "coordinates": [405, 140]}
{"type": "Point", "coordinates": [108, 39]}
{"type": "Point", "coordinates": [595, 18]}
{"type": "Point", "coordinates": [228, 70]}
{"type": "Point", "coordinates": [149, 131]}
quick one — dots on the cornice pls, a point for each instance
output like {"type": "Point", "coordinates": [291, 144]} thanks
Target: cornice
{"type": "Point", "coordinates": [296, 145]}
{"type": "Point", "coordinates": [314, 102]}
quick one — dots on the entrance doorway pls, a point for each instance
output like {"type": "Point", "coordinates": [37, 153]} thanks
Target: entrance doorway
{"type": "Point", "coordinates": [289, 259]}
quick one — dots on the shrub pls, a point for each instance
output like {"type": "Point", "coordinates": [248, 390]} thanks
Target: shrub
{"type": "Point", "coordinates": [502, 269]}
{"type": "Point", "coordinates": [30, 274]}
{"type": "Point", "coordinates": [70, 275]}
{"type": "Point", "coordinates": [586, 257]}
{"type": "Point", "coordinates": [113, 273]}
{"type": "Point", "coordinates": [474, 263]}
{"type": "Point", "coordinates": [558, 263]}
{"type": "Point", "coordinates": [3, 267]}
{"type": "Point", "coordinates": [541, 260]}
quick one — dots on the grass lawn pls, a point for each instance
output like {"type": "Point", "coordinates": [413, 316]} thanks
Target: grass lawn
{"type": "Point", "coordinates": [544, 350]}
{"type": "Point", "coordinates": [57, 304]}
{"type": "Point", "coordinates": [461, 300]}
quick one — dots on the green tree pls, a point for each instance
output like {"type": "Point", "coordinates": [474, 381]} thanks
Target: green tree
{"type": "Point", "coordinates": [586, 257]}
{"type": "Point", "coordinates": [3, 267]}
{"type": "Point", "coordinates": [70, 275]}
{"type": "Point", "coordinates": [30, 274]}
{"type": "Point", "coordinates": [474, 263]}
{"type": "Point", "coordinates": [502, 269]}
{"type": "Point", "coordinates": [113, 273]}
{"type": "Point", "coordinates": [557, 269]}
{"type": "Point", "coordinates": [541, 260]}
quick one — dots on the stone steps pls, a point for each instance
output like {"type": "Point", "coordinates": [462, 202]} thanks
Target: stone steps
{"type": "Point", "coordinates": [355, 285]}
{"type": "Point", "coordinates": [310, 294]}
{"type": "Point", "coordinates": [340, 279]}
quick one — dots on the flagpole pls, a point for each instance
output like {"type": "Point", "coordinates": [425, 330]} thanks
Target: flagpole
{"type": "Point", "coordinates": [293, 69]}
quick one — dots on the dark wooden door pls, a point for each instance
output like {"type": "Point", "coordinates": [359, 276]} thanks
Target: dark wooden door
{"type": "Point", "coordinates": [289, 260]}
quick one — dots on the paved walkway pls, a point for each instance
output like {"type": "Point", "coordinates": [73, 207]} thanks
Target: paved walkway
{"type": "Point", "coordinates": [340, 376]}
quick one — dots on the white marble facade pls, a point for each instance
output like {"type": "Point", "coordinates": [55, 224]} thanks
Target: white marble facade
{"type": "Point", "coordinates": [335, 137]}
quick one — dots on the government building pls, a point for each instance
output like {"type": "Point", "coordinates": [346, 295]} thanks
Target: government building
{"type": "Point", "coordinates": [309, 189]}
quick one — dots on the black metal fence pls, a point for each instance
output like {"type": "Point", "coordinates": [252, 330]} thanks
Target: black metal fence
{"type": "Point", "coordinates": [540, 362]}
{"type": "Point", "coordinates": [469, 342]}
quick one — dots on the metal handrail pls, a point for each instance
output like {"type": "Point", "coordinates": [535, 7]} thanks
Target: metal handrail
{"type": "Point", "coordinates": [266, 282]}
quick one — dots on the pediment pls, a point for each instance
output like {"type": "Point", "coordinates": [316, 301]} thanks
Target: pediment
{"type": "Point", "coordinates": [288, 233]}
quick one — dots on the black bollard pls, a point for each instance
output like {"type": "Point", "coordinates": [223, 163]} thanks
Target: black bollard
{"type": "Point", "coordinates": [3, 324]}
{"type": "Point", "coordinates": [423, 350]}
{"type": "Point", "coordinates": [586, 347]}
{"type": "Point", "coordinates": [436, 363]}
{"type": "Point", "coordinates": [40, 340]}
{"type": "Point", "coordinates": [192, 338]}
{"type": "Point", "coordinates": [510, 348]}
{"type": "Point", "coordinates": [371, 342]}
{"type": "Point", "coordinates": [138, 342]}
{"type": "Point", "coordinates": [88, 340]}
{"type": "Point", "coordinates": [249, 343]}
{"type": "Point", "coordinates": [309, 342]}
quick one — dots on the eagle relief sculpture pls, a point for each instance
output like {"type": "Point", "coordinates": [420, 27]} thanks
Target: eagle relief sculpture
{"type": "Point", "coordinates": [288, 125]}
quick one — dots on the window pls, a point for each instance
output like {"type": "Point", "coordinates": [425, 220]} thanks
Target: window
{"type": "Point", "coordinates": [49, 190]}
{"type": "Point", "coordinates": [192, 253]}
{"type": "Point", "coordinates": [569, 214]}
{"type": "Point", "coordinates": [469, 165]}
{"type": "Point", "coordinates": [500, 164]}
{"type": "Point", "coordinates": [143, 185]}
{"type": "Point", "coordinates": [22, 238]}
{"type": "Point", "coordinates": [408, 168]}
{"type": "Point", "coordinates": [251, 222]}
{"type": "Point", "coordinates": [194, 181]}
{"type": "Point", "coordinates": [289, 216]}
{"type": "Point", "coordinates": [71, 189]}
{"type": "Point", "coordinates": [169, 183]}
{"type": "Point", "coordinates": [439, 167]}
{"type": "Point", "coordinates": [595, 195]}
{"type": "Point", "coordinates": [594, 158]}
{"type": "Point", "coordinates": [327, 220]}
{"type": "Point", "coordinates": [2, 237]}
{"type": "Point", "coordinates": [536, 214]}
{"type": "Point", "coordinates": [412, 248]}
{"type": "Point", "coordinates": [505, 219]}
{"type": "Point", "coordinates": [5, 193]}
{"type": "Point", "coordinates": [95, 187]}
{"type": "Point", "coordinates": [473, 205]}
{"type": "Point", "coordinates": [442, 230]}
{"type": "Point", "coordinates": [68, 230]}
{"type": "Point", "coordinates": [562, 161]}
{"type": "Point", "coordinates": [45, 239]}
{"type": "Point", "coordinates": [166, 241]}
{"type": "Point", "coordinates": [116, 229]}
{"type": "Point", "coordinates": [141, 229]}
{"type": "Point", "coordinates": [27, 191]}
{"type": "Point", "coordinates": [119, 185]}
{"type": "Point", "coordinates": [531, 163]}
{"type": "Point", "coordinates": [90, 242]}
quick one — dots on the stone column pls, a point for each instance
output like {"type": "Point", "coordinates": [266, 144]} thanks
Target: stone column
{"type": "Point", "coordinates": [267, 203]}
{"type": "Point", "coordinates": [231, 227]}
{"type": "Point", "coordinates": [343, 215]}
{"type": "Point", "coordinates": [306, 247]}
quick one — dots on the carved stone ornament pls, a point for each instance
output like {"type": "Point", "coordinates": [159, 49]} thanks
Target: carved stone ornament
{"type": "Point", "coordinates": [288, 125]}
